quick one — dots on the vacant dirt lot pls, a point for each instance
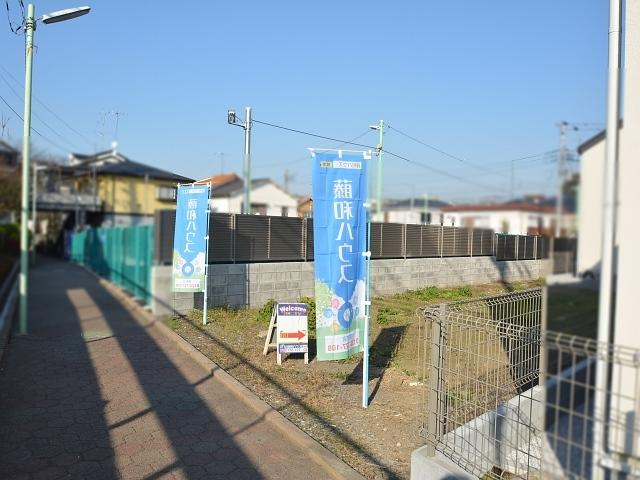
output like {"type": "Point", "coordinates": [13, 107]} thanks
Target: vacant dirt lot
{"type": "Point", "coordinates": [324, 398]}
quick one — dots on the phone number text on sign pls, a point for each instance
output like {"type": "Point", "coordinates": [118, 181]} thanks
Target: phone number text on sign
{"type": "Point", "coordinates": [342, 343]}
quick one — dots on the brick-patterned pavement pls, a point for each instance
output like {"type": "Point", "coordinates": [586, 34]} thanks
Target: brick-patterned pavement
{"type": "Point", "coordinates": [95, 391]}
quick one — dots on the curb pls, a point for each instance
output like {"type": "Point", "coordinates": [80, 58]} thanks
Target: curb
{"type": "Point", "coordinates": [335, 467]}
{"type": "Point", "coordinates": [9, 305]}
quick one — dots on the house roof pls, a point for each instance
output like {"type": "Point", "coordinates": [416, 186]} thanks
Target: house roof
{"type": "Point", "coordinates": [597, 138]}
{"type": "Point", "coordinates": [6, 148]}
{"type": "Point", "coordinates": [136, 169]}
{"type": "Point", "coordinates": [418, 203]}
{"type": "Point", "coordinates": [236, 185]}
{"type": "Point", "coordinates": [114, 163]}
{"type": "Point", "coordinates": [548, 206]}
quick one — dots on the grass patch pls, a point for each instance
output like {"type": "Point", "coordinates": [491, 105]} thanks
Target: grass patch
{"type": "Point", "coordinates": [386, 315]}
{"type": "Point", "coordinates": [264, 314]}
{"type": "Point", "coordinates": [573, 311]}
{"type": "Point", "coordinates": [173, 323]}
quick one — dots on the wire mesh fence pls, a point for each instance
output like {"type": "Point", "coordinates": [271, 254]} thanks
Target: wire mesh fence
{"type": "Point", "coordinates": [122, 255]}
{"type": "Point", "coordinates": [504, 398]}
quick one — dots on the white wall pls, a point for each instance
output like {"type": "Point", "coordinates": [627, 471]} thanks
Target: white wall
{"type": "Point", "coordinates": [269, 194]}
{"type": "Point", "coordinates": [625, 381]}
{"type": "Point", "coordinates": [275, 198]}
{"type": "Point", "coordinates": [590, 209]}
{"type": "Point", "coordinates": [220, 205]}
{"type": "Point", "coordinates": [518, 222]}
{"type": "Point", "coordinates": [411, 216]}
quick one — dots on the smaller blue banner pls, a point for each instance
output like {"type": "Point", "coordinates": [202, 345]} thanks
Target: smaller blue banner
{"type": "Point", "coordinates": [190, 238]}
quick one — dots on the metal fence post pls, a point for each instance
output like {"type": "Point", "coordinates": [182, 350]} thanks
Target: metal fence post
{"type": "Point", "coordinates": [233, 238]}
{"type": "Point", "coordinates": [304, 239]}
{"type": "Point", "coordinates": [441, 240]}
{"type": "Point", "coordinates": [471, 242]}
{"type": "Point", "coordinates": [404, 241]}
{"type": "Point", "coordinates": [435, 380]}
{"type": "Point", "coordinates": [269, 239]}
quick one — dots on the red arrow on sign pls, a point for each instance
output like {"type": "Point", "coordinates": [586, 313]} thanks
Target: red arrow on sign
{"type": "Point", "coordinates": [297, 334]}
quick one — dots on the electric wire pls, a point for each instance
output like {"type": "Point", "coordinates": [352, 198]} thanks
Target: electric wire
{"type": "Point", "coordinates": [35, 114]}
{"type": "Point", "coordinates": [47, 139]}
{"type": "Point", "coordinates": [442, 152]}
{"type": "Point", "coordinates": [400, 157]}
{"type": "Point", "coordinates": [49, 109]}
{"type": "Point", "coordinates": [18, 27]}
{"type": "Point", "coordinates": [306, 156]}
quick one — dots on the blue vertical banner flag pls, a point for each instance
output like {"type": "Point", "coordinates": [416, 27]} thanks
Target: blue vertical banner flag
{"type": "Point", "coordinates": [339, 244]}
{"type": "Point", "coordinates": [190, 238]}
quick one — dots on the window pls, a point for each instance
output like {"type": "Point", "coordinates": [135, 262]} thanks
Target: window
{"type": "Point", "coordinates": [425, 218]}
{"type": "Point", "coordinates": [166, 193]}
{"type": "Point", "coordinates": [285, 211]}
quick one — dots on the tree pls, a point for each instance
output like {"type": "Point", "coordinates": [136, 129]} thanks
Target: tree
{"type": "Point", "coordinates": [10, 192]}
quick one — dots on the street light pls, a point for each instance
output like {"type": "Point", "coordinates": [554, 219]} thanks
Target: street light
{"type": "Point", "coordinates": [232, 119]}
{"type": "Point", "coordinates": [67, 14]}
{"type": "Point", "coordinates": [380, 149]}
{"type": "Point", "coordinates": [29, 29]}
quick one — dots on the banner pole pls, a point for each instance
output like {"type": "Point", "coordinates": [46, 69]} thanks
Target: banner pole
{"type": "Point", "coordinates": [367, 312]}
{"type": "Point", "coordinates": [205, 306]}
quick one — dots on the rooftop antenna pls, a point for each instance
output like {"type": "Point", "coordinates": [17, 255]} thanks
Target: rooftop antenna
{"type": "Point", "coordinates": [3, 123]}
{"type": "Point", "coordinates": [117, 114]}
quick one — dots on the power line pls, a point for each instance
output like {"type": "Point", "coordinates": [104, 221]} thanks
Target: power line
{"type": "Point", "coordinates": [33, 113]}
{"type": "Point", "coordinates": [441, 172]}
{"type": "Point", "coordinates": [62, 149]}
{"type": "Point", "coordinates": [400, 157]}
{"type": "Point", "coordinates": [50, 110]}
{"type": "Point", "coordinates": [344, 142]}
{"type": "Point", "coordinates": [11, 23]}
{"type": "Point", "coordinates": [442, 152]}
{"type": "Point", "coordinates": [306, 156]}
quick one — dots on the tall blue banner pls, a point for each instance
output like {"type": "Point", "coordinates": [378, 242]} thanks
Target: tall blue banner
{"type": "Point", "coordinates": [189, 241]}
{"type": "Point", "coordinates": [339, 241]}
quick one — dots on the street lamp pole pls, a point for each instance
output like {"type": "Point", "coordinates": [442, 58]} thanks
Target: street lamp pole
{"type": "Point", "coordinates": [29, 29]}
{"type": "Point", "coordinates": [30, 26]}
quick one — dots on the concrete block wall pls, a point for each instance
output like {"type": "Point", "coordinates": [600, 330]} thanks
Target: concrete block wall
{"type": "Point", "coordinates": [253, 284]}
{"type": "Point", "coordinates": [394, 276]}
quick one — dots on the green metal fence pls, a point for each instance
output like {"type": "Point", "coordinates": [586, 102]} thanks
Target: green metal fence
{"type": "Point", "coordinates": [121, 255]}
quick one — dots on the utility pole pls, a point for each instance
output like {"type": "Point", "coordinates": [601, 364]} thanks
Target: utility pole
{"type": "Point", "coordinates": [247, 161]}
{"type": "Point", "coordinates": [380, 149]}
{"type": "Point", "coordinates": [287, 178]}
{"type": "Point", "coordinates": [29, 27]}
{"type": "Point", "coordinates": [513, 179]}
{"type": "Point", "coordinates": [561, 171]}
{"type": "Point", "coordinates": [34, 209]}
{"type": "Point", "coordinates": [232, 120]}
{"type": "Point", "coordinates": [34, 193]}
{"type": "Point", "coordinates": [426, 208]}
{"type": "Point", "coordinates": [412, 203]}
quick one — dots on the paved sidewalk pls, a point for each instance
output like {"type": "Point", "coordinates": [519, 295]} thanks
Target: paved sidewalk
{"type": "Point", "coordinates": [95, 391]}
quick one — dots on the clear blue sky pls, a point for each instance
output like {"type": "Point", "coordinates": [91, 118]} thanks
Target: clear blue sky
{"type": "Point", "coordinates": [485, 81]}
